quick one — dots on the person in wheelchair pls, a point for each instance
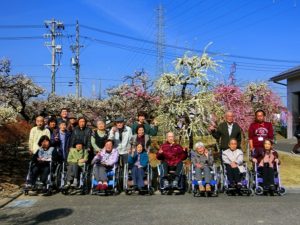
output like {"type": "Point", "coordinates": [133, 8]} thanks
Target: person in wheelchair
{"type": "Point", "coordinates": [41, 162]}
{"type": "Point", "coordinates": [138, 161]}
{"type": "Point", "coordinates": [104, 161]}
{"type": "Point", "coordinates": [233, 159]}
{"type": "Point", "coordinates": [265, 161]}
{"type": "Point", "coordinates": [202, 161]}
{"type": "Point", "coordinates": [171, 156]}
{"type": "Point", "coordinates": [77, 158]}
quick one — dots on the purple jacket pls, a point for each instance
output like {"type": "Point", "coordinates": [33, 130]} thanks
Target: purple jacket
{"type": "Point", "coordinates": [108, 159]}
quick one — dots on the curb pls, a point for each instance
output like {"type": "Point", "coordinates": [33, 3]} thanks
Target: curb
{"type": "Point", "coordinates": [10, 198]}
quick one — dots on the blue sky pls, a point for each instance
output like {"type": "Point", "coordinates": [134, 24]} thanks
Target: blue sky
{"type": "Point", "coordinates": [266, 29]}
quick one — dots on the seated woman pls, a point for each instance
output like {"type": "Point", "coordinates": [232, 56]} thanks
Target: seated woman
{"type": "Point", "coordinates": [105, 160]}
{"type": "Point", "coordinates": [41, 161]}
{"type": "Point", "coordinates": [233, 159]}
{"type": "Point", "coordinates": [171, 156]}
{"type": "Point", "coordinates": [77, 157]}
{"type": "Point", "coordinates": [138, 161]}
{"type": "Point", "coordinates": [266, 160]}
{"type": "Point", "coordinates": [202, 161]}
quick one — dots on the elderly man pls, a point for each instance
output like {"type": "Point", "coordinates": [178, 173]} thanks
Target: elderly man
{"type": "Point", "coordinates": [36, 133]}
{"type": "Point", "coordinates": [121, 135]}
{"type": "Point", "coordinates": [171, 155]}
{"type": "Point", "coordinates": [226, 131]}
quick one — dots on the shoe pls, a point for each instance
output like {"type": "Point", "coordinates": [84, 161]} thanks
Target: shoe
{"type": "Point", "coordinates": [99, 187]}
{"type": "Point", "coordinates": [75, 183]}
{"type": "Point", "coordinates": [32, 193]}
{"type": "Point", "coordinates": [292, 152]}
{"type": "Point", "coordinates": [175, 184]}
{"type": "Point", "coordinates": [201, 188]}
{"type": "Point", "coordinates": [166, 183]}
{"type": "Point", "coordinates": [104, 186]}
{"type": "Point", "coordinates": [207, 188]}
{"type": "Point", "coordinates": [239, 185]}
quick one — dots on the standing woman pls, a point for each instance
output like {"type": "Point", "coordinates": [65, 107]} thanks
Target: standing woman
{"type": "Point", "coordinates": [141, 138]}
{"type": "Point", "coordinates": [99, 136]}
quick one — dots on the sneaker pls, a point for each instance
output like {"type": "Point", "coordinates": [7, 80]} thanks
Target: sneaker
{"type": "Point", "coordinates": [239, 185]}
{"type": "Point", "coordinates": [75, 183]}
{"type": "Point", "coordinates": [104, 186]}
{"type": "Point", "coordinates": [272, 187]}
{"type": "Point", "coordinates": [175, 184]}
{"type": "Point", "coordinates": [32, 193]}
{"type": "Point", "coordinates": [67, 185]}
{"type": "Point", "coordinates": [207, 188]}
{"type": "Point", "coordinates": [166, 183]}
{"type": "Point", "coordinates": [99, 187]}
{"type": "Point", "coordinates": [292, 152]}
{"type": "Point", "coordinates": [201, 188]}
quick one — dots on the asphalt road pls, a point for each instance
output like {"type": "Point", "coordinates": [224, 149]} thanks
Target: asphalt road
{"type": "Point", "coordinates": [157, 209]}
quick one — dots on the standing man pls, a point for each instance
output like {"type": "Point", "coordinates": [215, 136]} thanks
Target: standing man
{"type": "Point", "coordinates": [296, 149]}
{"type": "Point", "coordinates": [121, 135]}
{"type": "Point", "coordinates": [259, 131]}
{"type": "Point", "coordinates": [150, 129]}
{"type": "Point", "coordinates": [36, 133]}
{"type": "Point", "coordinates": [63, 116]}
{"type": "Point", "coordinates": [226, 131]}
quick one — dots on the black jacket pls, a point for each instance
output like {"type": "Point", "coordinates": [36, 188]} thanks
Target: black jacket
{"type": "Point", "coordinates": [82, 135]}
{"type": "Point", "coordinates": [222, 133]}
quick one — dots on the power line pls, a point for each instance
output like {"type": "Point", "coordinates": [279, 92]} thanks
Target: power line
{"type": "Point", "coordinates": [185, 48]}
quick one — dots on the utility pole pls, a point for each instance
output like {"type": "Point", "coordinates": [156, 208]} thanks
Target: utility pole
{"type": "Point", "coordinates": [56, 50]}
{"type": "Point", "coordinates": [232, 79]}
{"type": "Point", "coordinates": [100, 89]}
{"type": "Point", "coordinates": [160, 41]}
{"type": "Point", "coordinates": [75, 60]}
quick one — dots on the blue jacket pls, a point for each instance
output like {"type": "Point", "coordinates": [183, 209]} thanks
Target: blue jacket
{"type": "Point", "coordinates": [143, 158]}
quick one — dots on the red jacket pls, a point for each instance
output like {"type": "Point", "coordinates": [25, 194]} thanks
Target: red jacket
{"type": "Point", "coordinates": [258, 132]}
{"type": "Point", "coordinates": [172, 154]}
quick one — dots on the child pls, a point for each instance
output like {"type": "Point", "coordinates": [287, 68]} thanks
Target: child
{"type": "Point", "coordinates": [202, 162]}
{"type": "Point", "coordinates": [77, 157]}
{"type": "Point", "coordinates": [104, 160]}
{"type": "Point", "coordinates": [266, 160]}
{"type": "Point", "coordinates": [36, 133]}
{"type": "Point", "coordinates": [233, 159]}
{"type": "Point", "coordinates": [138, 160]}
{"type": "Point", "coordinates": [41, 161]}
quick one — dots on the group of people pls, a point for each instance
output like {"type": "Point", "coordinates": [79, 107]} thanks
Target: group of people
{"type": "Point", "coordinates": [69, 139]}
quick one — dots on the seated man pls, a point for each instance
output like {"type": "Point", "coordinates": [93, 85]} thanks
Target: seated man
{"type": "Point", "coordinates": [105, 160]}
{"type": "Point", "coordinates": [233, 159]}
{"type": "Point", "coordinates": [171, 155]}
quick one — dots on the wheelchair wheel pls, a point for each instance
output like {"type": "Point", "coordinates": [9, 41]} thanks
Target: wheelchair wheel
{"type": "Point", "coordinates": [259, 190]}
{"type": "Point", "coordinates": [281, 191]}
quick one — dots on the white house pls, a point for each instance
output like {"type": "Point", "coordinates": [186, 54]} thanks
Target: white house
{"type": "Point", "coordinates": [292, 77]}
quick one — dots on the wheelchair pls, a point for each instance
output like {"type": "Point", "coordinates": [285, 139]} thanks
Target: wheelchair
{"type": "Point", "coordinates": [39, 187]}
{"type": "Point", "coordinates": [170, 189]}
{"type": "Point", "coordinates": [130, 189]}
{"type": "Point", "coordinates": [246, 182]}
{"type": "Point", "coordinates": [84, 181]}
{"type": "Point", "coordinates": [258, 182]}
{"type": "Point", "coordinates": [113, 180]}
{"type": "Point", "coordinates": [213, 183]}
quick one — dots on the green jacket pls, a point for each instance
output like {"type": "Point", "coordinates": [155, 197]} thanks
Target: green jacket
{"type": "Point", "coordinates": [75, 155]}
{"type": "Point", "coordinates": [151, 130]}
